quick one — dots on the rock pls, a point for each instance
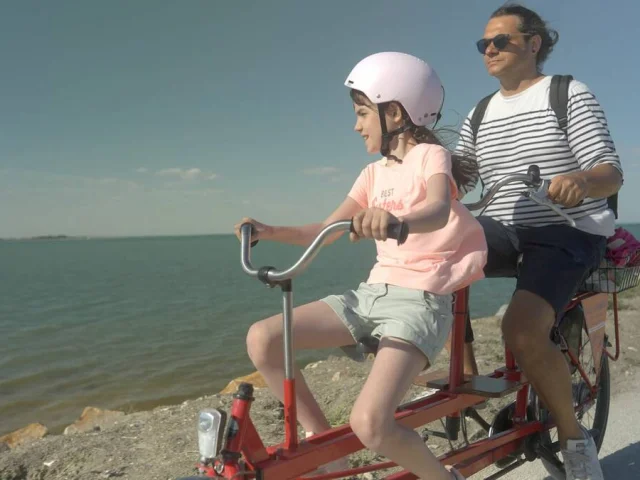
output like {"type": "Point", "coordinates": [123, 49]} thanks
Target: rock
{"type": "Point", "coordinates": [4, 447]}
{"type": "Point", "coordinates": [93, 419]}
{"type": "Point", "coordinates": [31, 432]}
{"type": "Point", "coordinates": [501, 311]}
{"type": "Point", "coordinates": [311, 366]}
{"type": "Point", "coordinates": [254, 378]}
{"type": "Point", "coordinates": [336, 377]}
{"type": "Point", "coordinates": [112, 473]}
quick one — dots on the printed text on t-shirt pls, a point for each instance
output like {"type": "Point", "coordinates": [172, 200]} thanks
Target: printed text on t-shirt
{"type": "Point", "coordinates": [387, 203]}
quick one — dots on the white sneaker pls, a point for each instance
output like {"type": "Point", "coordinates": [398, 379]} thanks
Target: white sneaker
{"type": "Point", "coordinates": [581, 459]}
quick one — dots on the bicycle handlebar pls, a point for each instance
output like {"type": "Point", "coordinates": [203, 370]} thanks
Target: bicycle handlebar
{"type": "Point", "coordinates": [537, 191]}
{"type": "Point", "coordinates": [270, 276]}
{"type": "Point", "coordinates": [531, 179]}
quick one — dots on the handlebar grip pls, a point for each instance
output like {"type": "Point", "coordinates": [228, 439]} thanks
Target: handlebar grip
{"type": "Point", "coordinates": [396, 231]}
{"type": "Point", "coordinates": [399, 232]}
{"type": "Point", "coordinates": [253, 230]}
{"type": "Point", "coordinates": [534, 172]}
{"type": "Point", "coordinates": [255, 242]}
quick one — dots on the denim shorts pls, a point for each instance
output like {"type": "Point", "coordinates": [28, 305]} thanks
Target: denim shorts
{"type": "Point", "coordinates": [382, 310]}
{"type": "Point", "coordinates": [550, 261]}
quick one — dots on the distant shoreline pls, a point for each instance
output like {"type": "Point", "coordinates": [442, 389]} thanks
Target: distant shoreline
{"type": "Point", "coordinates": [106, 237]}
{"type": "Point", "coordinates": [44, 238]}
{"type": "Point", "coordinates": [163, 235]}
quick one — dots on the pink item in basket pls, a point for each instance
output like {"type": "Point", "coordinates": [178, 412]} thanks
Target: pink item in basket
{"type": "Point", "coordinates": [623, 249]}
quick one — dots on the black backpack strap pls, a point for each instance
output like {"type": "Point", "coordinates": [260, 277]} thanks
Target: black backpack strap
{"type": "Point", "coordinates": [612, 203]}
{"type": "Point", "coordinates": [559, 99]}
{"type": "Point", "coordinates": [476, 120]}
{"type": "Point", "coordinates": [478, 115]}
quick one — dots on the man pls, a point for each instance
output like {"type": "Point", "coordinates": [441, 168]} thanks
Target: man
{"type": "Point", "coordinates": [518, 129]}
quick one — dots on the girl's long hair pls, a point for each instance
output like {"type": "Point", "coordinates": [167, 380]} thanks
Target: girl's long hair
{"type": "Point", "coordinates": [464, 169]}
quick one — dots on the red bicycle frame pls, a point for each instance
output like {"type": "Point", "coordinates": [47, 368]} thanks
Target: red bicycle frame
{"type": "Point", "coordinates": [291, 459]}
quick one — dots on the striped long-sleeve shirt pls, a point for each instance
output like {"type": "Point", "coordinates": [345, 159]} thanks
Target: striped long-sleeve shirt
{"type": "Point", "coordinates": [521, 130]}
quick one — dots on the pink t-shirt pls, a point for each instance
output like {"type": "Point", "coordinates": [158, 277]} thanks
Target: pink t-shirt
{"type": "Point", "coordinates": [440, 262]}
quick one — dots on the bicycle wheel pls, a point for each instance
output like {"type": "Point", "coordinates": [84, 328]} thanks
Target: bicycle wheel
{"type": "Point", "coordinates": [592, 411]}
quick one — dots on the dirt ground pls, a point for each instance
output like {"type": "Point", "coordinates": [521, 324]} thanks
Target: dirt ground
{"type": "Point", "coordinates": [162, 443]}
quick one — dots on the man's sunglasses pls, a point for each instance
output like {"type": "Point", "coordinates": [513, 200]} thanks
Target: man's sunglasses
{"type": "Point", "coordinates": [500, 41]}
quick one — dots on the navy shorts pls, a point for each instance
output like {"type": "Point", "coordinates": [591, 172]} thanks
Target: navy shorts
{"type": "Point", "coordinates": [556, 259]}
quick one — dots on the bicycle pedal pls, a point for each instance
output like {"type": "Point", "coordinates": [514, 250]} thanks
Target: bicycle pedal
{"type": "Point", "coordinates": [488, 387]}
{"type": "Point", "coordinates": [427, 433]}
{"type": "Point", "coordinates": [428, 392]}
{"type": "Point", "coordinates": [506, 461]}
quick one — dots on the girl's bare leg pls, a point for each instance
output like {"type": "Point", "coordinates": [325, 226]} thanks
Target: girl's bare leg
{"type": "Point", "coordinates": [372, 418]}
{"type": "Point", "coordinates": [315, 325]}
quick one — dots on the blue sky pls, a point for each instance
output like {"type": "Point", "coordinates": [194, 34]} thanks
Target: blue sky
{"type": "Point", "coordinates": [153, 117]}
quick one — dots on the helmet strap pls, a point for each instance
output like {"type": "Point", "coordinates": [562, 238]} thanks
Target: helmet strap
{"type": "Point", "coordinates": [439, 116]}
{"type": "Point", "coordinates": [388, 136]}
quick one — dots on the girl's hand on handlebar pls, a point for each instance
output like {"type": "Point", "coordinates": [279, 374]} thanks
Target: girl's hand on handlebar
{"type": "Point", "coordinates": [260, 230]}
{"type": "Point", "coordinates": [372, 223]}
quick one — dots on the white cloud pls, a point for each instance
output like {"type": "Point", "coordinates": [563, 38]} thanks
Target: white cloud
{"type": "Point", "coordinates": [169, 171]}
{"type": "Point", "coordinates": [184, 173]}
{"type": "Point", "coordinates": [31, 181]}
{"type": "Point", "coordinates": [74, 182]}
{"type": "Point", "coordinates": [321, 171]}
{"type": "Point", "coordinates": [199, 193]}
{"type": "Point", "coordinates": [78, 181]}
{"type": "Point", "coordinates": [44, 203]}
{"type": "Point", "coordinates": [142, 170]}
{"type": "Point", "coordinates": [340, 178]}
{"type": "Point", "coordinates": [213, 176]}
{"type": "Point", "coordinates": [106, 181]}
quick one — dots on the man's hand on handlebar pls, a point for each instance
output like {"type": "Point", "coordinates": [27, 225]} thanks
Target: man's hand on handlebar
{"type": "Point", "coordinates": [568, 190]}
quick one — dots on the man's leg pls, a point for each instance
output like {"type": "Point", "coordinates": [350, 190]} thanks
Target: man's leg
{"type": "Point", "coordinates": [470, 367]}
{"type": "Point", "coordinates": [469, 360]}
{"type": "Point", "coordinates": [556, 259]}
{"type": "Point", "coordinates": [526, 326]}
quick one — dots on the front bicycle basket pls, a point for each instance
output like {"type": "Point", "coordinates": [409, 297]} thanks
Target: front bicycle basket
{"type": "Point", "coordinates": [609, 278]}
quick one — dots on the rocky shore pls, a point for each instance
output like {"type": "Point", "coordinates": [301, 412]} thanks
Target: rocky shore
{"type": "Point", "coordinates": [162, 443]}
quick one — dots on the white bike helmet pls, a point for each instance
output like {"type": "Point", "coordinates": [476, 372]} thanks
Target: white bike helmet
{"type": "Point", "coordinates": [392, 76]}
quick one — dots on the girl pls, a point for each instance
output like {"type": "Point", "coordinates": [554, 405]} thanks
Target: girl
{"type": "Point", "coordinates": [407, 299]}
